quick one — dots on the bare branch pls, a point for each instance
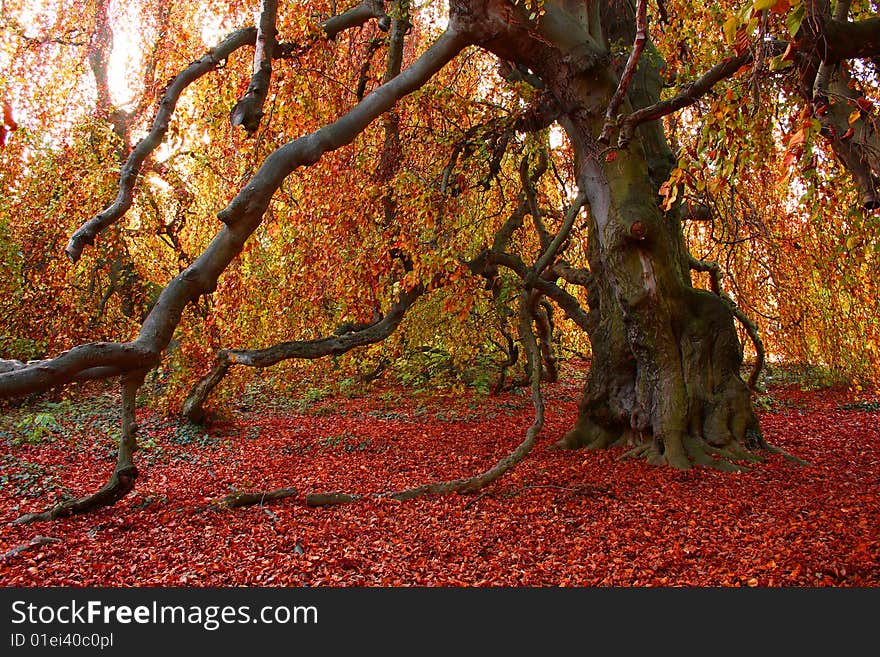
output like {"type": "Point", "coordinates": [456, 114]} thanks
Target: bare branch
{"type": "Point", "coordinates": [307, 349]}
{"type": "Point", "coordinates": [309, 149]}
{"type": "Point", "coordinates": [564, 230]}
{"type": "Point", "coordinates": [355, 17]}
{"type": "Point", "coordinates": [626, 77]}
{"type": "Point", "coordinates": [249, 110]}
{"type": "Point", "coordinates": [243, 215]}
{"type": "Point", "coordinates": [852, 40]}
{"type": "Point", "coordinates": [131, 169]}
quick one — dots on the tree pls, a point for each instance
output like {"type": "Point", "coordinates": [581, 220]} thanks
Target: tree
{"type": "Point", "coordinates": [667, 355]}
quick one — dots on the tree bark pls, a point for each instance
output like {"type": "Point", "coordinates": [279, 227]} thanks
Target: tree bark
{"type": "Point", "coordinates": [666, 355]}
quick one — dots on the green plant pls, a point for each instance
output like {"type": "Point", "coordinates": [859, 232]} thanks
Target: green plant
{"type": "Point", "coordinates": [34, 428]}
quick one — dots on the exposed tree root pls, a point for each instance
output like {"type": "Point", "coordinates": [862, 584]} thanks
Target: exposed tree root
{"type": "Point", "coordinates": [125, 473]}
{"type": "Point", "coordinates": [35, 542]}
{"type": "Point", "coordinates": [330, 499]}
{"type": "Point", "coordinates": [789, 457]}
{"type": "Point", "coordinates": [239, 498]}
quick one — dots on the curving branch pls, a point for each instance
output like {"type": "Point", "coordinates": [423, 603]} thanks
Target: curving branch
{"type": "Point", "coordinates": [214, 59]}
{"type": "Point", "coordinates": [309, 149]}
{"type": "Point", "coordinates": [249, 110]}
{"type": "Point", "coordinates": [477, 482]}
{"type": "Point", "coordinates": [687, 97]}
{"type": "Point", "coordinates": [307, 349]}
{"type": "Point", "coordinates": [629, 70]}
{"type": "Point", "coordinates": [851, 40]}
{"type": "Point", "coordinates": [243, 216]}
{"type": "Point", "coordinates": [86, 234]}
{"type": "Point", "coordinates": [355, 17]}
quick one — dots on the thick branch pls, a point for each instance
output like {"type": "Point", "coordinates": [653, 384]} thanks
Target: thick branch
{"type": "Point", "coordinates": [307, 349]}
{"type": "Point", "coordinates": [355, 17]}
{"type": "Point", "coordinates": [244, 215]}
{"type": "Point", "coordinates": [249, 110]}
{"type": "Point", "coordinates": [215, 57]}
{"type": "Point", "coordinates": [688, 96]}
{"type": "Point", "coordinates": [846, 40]}
{"type": "Point", "coordinates": [823, 77]}
{"type": "Point", "coordinates": [309, 149]}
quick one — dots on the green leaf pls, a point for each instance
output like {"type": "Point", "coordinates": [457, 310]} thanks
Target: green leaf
{"type": "Point", "coordinates": [729, 28]}
{"type": "Point", "coordinates": [794, 19]}
{"type": "Point", "coordinates": [777, 63]}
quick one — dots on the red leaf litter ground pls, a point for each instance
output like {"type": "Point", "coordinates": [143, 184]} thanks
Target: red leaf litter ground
{"type": "Point", "coordinates": [558, 519]}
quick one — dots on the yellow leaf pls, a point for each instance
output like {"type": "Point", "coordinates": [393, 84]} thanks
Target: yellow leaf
{"type": "Point", "coordinates": [854, 116]}
{"type": "Point", "coordinates": [729, 27]}
{"type": "Point", "coordinates": [761, 5]}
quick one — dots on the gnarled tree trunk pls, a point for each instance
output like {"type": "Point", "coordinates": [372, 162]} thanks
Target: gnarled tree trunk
{"type": "Point", "coordinates": [667, 358]}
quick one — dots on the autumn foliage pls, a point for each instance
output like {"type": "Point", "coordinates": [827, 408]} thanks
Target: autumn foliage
{"type": "Point", "coordinates": [385, 201]}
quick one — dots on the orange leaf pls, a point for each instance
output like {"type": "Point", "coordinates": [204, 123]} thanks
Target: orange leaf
{"type": "Point", "coordinates": [780, 7]}
{"type": "Point", "coordinates": [797, 138]}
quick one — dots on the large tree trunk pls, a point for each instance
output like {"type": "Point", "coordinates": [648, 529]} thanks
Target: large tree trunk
{"type": "Point", "coordinates": [666, 374]}
{"type": "Point", "coordinates": [668, 357]}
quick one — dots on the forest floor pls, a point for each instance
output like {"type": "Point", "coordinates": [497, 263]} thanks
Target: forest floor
{"type": "Point", "coordinates": [558, 519]}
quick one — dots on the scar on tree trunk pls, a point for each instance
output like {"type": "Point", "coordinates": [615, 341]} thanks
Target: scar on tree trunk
{"type": "Point", "coordinates": [124, 475]}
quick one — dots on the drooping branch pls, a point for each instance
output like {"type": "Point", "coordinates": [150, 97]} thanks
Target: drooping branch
{"type": "Point", "coordinates": [715, 274]}
{"type": "Point", "coordinates": [629, 70]}
{"type": "Point", "coordinates": [215, 58]}
{"type": "Point", "coordinates": [125, 473]}
{"type": "Point", "coordinates": [308, 349]}
{"type": "Point", "coordinates": [477, 482]}
{"type": "Point", "coordinates": [249, 110]}
{"type": "Point", "coordinates": [131, 169]}
{"type": "Point", "coordinates": [243, 215]}
{"type": "Point", "coordinates": [345, 340]}
{"type": "Point", "coordinates": [688, 96]}
{"type": "Point", "coordinates": [307, 150]}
